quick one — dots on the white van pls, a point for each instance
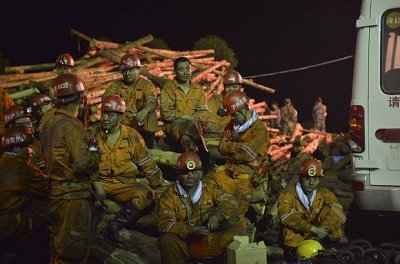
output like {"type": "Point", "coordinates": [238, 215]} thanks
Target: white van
{"type": "Point", "coordinates": [375, 107]}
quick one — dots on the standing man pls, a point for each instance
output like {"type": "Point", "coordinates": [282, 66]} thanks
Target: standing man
{"type": "Point", "coordinates": [308, 211]}
{"type": "Point", "coordinates": [24, 189]}
{"type": "Point", "coordinates": [276, 123]}
{"type": "Point", "coordinates": [123, 156]}
{"type": "Point", "coordinates": [69, 164]}
{"type": "Point", "coordinates": [215, 124]}
{"type": "Point", "coordinates": [289, 117]}
{"type": "Point", "coordinates": [319, 114]}
{"type": "Point", "coordinates": [196, 220]}
{"type": "Point", "coordinates": [245, 143]}
{"type": "Point", "coordinates": [183, 110]}
{"type": "Point", "coordinates": [140, 97]}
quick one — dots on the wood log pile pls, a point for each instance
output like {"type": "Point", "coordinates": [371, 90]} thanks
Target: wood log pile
{"type": "Point", "coordinates": [98, 68]}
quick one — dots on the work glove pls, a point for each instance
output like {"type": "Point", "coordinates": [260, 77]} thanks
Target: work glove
{"type": "Point", "coordinates": [159, 189]}
{"type": "Point", "coordinates": [141, 115]}
{"type": "Point", "coordinates": [99, 190]}
{"type": "Point", "coordinates": [213, 223]}
{"type": "Point", "coordinates": [200, 231]}
{"type": "Point", "coordinates": [320, 232]}
{"type": "Point", "coordinates": [194, 118]}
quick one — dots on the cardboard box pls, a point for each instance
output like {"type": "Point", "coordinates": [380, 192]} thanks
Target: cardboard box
{"type": "Point", "coordinates": [240, 251]}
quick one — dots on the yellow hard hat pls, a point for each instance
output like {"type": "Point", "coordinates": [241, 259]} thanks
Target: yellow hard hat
{"type": "Point", "coordinates": [308, 249]}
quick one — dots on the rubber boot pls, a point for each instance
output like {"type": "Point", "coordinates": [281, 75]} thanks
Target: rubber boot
{"type": "Point", "coordinates": [188, 144]}
{"type": "Point", "coordinates": [126, 218]}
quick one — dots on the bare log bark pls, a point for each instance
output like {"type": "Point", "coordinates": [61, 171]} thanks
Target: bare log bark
{"type": "Point", "coordinates": [258, 86]}
{"type": "Point", "coordinates": [200, 76]}
{"type": "Point", "coordinates": [25, 68]}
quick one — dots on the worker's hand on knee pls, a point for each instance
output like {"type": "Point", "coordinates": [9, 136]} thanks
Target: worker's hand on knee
{"type": "Point", "coordinates": [200, 230]}
{"type": "Point", "coordinates": [320, 232]}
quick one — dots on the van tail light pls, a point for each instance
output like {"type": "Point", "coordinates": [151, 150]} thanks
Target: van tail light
{"type": "Point", "coordinates": [357, 128]}
{"type": "Point", "coordinates": [357, 186]}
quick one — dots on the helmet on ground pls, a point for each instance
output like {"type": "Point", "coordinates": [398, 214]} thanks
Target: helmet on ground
{"type": "Point", "coordinates": [38, 100]}
{"type": "Point", "coordinates": [189, 161]}
{"type": "Point", "coordinates": [14, 112]}
{"type": "Point", "coordinates": [113, 103]}
{"type": "Point", "coordinates": [65, 59]}
{"type": "Point", "coordinates": [308, 249]}
{"type": "Point", "coordinates": [129, 61]}
{"type": "Point", "coordinates": [232, 77]}
{"type": "Point", "coordinates": [18, 135]}
{"type": "Point", "coordinates": [311, 167]}
{"type": "Point", "coordinates": [233, 102]}
{"type": "Point", "coordinates": [67, 85]}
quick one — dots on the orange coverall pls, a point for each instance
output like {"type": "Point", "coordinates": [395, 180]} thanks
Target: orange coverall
{"type": "Point", "coordinates": [176, 225]}
{"type": "Point", "coordinates": [175, 103]}
{"type": "Point", "coordinates": [297, 220]}
{"type": "Point", "coordinates": [215, 124]}
{"type": "Point", "coordinates": [24, 196]}
{"type": "Point", "coordinates": [38, 158]}
{"type": "Point", "coordinates": [69, 165]}
{"type": "Point", "coordinates": [120, 165]}
{"type": "Point", "coordinates": [244, 153]}
{"type": "Point", "coordinates": [139, 95]}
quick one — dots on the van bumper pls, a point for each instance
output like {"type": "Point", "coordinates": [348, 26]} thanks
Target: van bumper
{"type": "Point", "coordinates": [375, 198]}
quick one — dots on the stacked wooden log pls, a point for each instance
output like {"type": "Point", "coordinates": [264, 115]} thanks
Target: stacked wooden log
{"type": "Point", "coordinates": [99, 68]}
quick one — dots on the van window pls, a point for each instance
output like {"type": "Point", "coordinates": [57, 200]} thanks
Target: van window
{"type": "Point", "coordinates": [390, 66]}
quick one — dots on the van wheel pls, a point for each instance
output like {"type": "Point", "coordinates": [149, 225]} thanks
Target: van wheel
{"type": "Point", "coordinates": [346, 257]}
{"type": "Point", "coordinates": [375, 255]}
{"type": "Point", "coordinates": [365, 244]}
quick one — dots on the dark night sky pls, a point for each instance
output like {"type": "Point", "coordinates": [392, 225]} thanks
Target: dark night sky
{"type": "Point", "coordinates": [266, 36]}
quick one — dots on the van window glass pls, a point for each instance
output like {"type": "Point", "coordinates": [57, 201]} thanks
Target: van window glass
{"type": "Point", "coordinates": [390, 67]}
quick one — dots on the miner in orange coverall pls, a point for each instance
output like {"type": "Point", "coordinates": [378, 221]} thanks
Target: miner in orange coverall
{"type": "Point", "coordinates": [140, 97]}
{"type": "Point", "coordinates": [245, 143]}
{"type": "Point", "coordinates": [215, 124]}
{"type": "Point", "coordinates": [24, 192]}
{"type": "Point", "coordinates": [307, 211]}
{"type": "Point", "coordinates": [70, 166]}
{"type": "Point", "coordinates": [123, 155]}
{"type": "Point", "coordinates": [183, 109]}
{"type": "Point", "coordinates": [196, 220]}
{"type": "Point", "coordinates": [18, 115]}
